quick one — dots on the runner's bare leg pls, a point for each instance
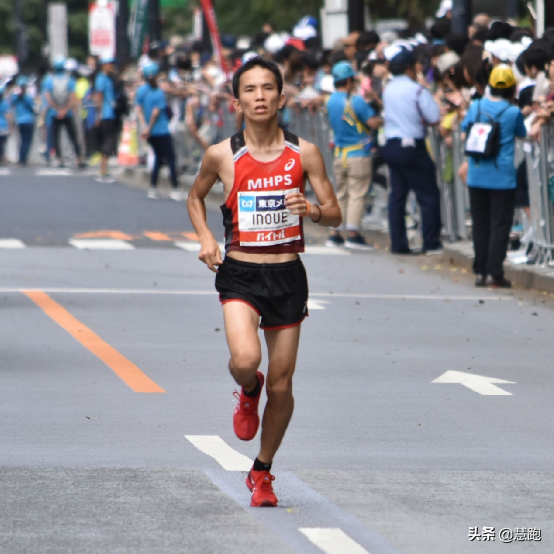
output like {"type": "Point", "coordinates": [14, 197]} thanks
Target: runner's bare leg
{"type": "Point", "coordinates": [282, 348]}
{"type": "Point", "coordinates": [241, 329]}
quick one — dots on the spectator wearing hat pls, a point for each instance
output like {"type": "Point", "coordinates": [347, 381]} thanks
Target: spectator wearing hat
{"type": "Point", "coordinates": [24, 106]}
{"type": "Point", "coordinates": [352, 120]}
{"type": "Point", "coordinates": [492, 181]}
{"type": "Point", "coordinates": [105, 117]}
{"type": "Point", "coordinates": [409, 109]}
{"type": "Point", "coordinates": [59, 91]}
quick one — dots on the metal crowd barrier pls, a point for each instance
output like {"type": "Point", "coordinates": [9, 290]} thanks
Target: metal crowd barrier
{"type": "Point", "coordinates": [314, 126]}
{"type": "Point", "coordinates": [540, 172]}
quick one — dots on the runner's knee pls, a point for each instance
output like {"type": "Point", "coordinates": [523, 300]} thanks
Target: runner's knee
{"type": "Point", "coordinates": [245, 364]}
{"type": "Point", "coordinates": [279, 389]}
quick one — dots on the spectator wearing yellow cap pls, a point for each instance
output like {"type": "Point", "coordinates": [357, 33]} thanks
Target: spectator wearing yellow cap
{"type": "Point", "coordinates": [492, 179]}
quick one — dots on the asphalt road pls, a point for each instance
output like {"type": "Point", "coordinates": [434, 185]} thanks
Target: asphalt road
{"type": "Point", "coordinates": [116, 404]}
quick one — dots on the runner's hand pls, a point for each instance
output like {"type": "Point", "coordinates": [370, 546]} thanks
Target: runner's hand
{"type": "Point", "coordinates": [296, 203]}
{"type": "Point", "coordinates": [210, 254]}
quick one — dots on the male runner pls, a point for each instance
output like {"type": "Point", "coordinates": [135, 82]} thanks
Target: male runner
{"type": "Point", "coordinates": [263, 170]}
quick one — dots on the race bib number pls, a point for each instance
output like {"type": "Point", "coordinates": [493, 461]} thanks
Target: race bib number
{"type": "Point", "coordinates": [264, 220]}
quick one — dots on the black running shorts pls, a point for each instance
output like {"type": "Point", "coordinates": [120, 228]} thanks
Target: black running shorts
{"type": "Point", "coordinates": [277, 292]}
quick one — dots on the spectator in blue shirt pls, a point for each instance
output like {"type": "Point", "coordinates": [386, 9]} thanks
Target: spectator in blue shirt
{"type": "Point", "coordinates": [352, 120]}
{"type": "Point", "coordinates": [24, 107]}
{"type": "Point", "coordinates": [105, 119]}
{"type": "Point", "coordinates": [492, 182]}
{"type": "Point", "coordinates": [5, 124]}
{"type": "Point", "coordinates": [153, 113]}
{"type": "Point", "coordinates": [59, 89]}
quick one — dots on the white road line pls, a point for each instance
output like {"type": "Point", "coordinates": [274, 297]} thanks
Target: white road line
{"type": "Point", "coordinates": [332, 540]}
{"type": "Point", "coordinates": [53, 173]}
{"type": "Point", "coordinates": [94, 244]}
{"type": "Point", "coordinates": [323, 250]}
{"type": "Point", "coordinates": [317, 304]}
{"type": "Point", "coordinates": [4, 171]}
{"type": "Point", "coordinates": [223, 454]}
{"type": "Point", "coordinates": [193, 246]}
{"type": "Point", "coordinates": [326, 251]}
{"type": "Point", "coordinates": [11, 243]}
{"type": "Point", "coordinates": [178, 292]}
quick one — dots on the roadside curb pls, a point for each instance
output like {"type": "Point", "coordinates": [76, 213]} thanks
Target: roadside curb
{"type": "Point", "coordinates": [461, 254]}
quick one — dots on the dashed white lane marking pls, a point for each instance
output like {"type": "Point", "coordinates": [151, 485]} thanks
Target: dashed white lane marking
{"type": "Point", "coordinates": [332, 540]}
{"type": "Point", "coordinates": [4, 171]}
{"type": "Point", "coordinates": [11, 243]}
{"type": "Point", "coordinates": [193, 246]}
{"type": "Point", "coordinates": [53, 173]}
{"type": "Point", "coordinates": [111, 244]}
{"type": "Point", "coordinates": [221, 452]}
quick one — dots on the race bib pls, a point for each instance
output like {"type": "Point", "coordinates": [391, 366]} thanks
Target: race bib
{"type": "Point", "coordinates": [264, 220]}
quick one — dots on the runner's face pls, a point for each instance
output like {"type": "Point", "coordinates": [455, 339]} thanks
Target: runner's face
{"type": "Point", "coordinates": [259, 98]}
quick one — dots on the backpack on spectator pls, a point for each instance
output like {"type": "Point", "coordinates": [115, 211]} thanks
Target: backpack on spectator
{"type": "Point", "coordinates": [483, 138]}
{"type": "Point", "coordinates": [60, 90]}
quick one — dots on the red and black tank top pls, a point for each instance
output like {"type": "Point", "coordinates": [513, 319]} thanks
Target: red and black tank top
{"type": "Point", "coordinates": [254, 215]}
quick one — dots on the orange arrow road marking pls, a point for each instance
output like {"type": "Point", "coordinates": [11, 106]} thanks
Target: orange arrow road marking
{"type": "Point", "coordinates": [157, 235]}
{"type": "Point", "coordinates": [126, 370]}
{"type": "Point", "coordinates": [116, 235]}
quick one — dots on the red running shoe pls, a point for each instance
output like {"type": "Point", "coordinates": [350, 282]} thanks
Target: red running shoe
{"type": "Point", "coordinates": [260, 483]}
{"type": "Point", "coordinates": [245, 417]}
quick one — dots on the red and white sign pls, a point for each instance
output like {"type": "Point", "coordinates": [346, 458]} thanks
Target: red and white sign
{"type": "Point", "coordinates": [101, 24]}
{"type": "Point", "coordinates": [209, 14]}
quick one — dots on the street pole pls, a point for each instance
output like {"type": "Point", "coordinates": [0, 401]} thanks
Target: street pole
{"type": "Point", "coordinates": [154, 23]}
{"type": "Point", "coordinates": [461, 16]}
{"type": "Point", "coordinates": [20, 34]}
{"type": "Point", "coordinates": [122, 32]}
{"type": "Point", "coordinates": [356, 15]}
{"type": "Point", "coordinates": [512, 9]}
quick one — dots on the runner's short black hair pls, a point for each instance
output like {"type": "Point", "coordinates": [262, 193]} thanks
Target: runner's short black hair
{"type": "Point", "coordinates": [251, 64]}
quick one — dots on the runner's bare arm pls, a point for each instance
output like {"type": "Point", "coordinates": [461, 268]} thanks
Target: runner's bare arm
{"type": "Point", "coordinates": [210, 253]}
{"type": "Point", "coordinates": [327, 213]}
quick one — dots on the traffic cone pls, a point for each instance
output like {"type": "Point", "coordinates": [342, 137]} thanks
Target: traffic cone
{"type": "Point", "coordinates": [127, 154]}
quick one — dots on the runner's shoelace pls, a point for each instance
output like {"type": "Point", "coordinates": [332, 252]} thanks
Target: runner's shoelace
{"type": "Point", "coordinates": [244, 405]}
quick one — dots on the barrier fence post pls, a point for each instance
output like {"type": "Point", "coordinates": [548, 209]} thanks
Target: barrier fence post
{"type": "Point", "coordinates": [460, 188]}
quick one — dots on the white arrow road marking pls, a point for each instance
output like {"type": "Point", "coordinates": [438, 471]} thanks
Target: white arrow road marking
{"type": "Point", "coordinates": [332, 540]}
{"type": "Point", "coordinates": [477, 383]}
{"type": "Point", "coordinates": [96, 244]}
{"type": "Point", "coordinates": [317, 304]}
{"type": "Point", "coordinates": [221, 452]}
{"type": "Point", "coordinates": [11, 243]}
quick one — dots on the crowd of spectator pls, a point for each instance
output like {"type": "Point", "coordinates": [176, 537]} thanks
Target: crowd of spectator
{"type": "Point", "coordinates": [187, 92]}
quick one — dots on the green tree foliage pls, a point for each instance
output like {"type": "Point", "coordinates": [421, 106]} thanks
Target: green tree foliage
{"type": "Point", "coordinates": [283, 14]}
{"type": "Point", "coordinates": [35, 17]}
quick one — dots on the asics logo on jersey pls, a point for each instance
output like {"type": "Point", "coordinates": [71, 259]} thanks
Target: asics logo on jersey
{"type": "Point", "coordinates": [290, 164]}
